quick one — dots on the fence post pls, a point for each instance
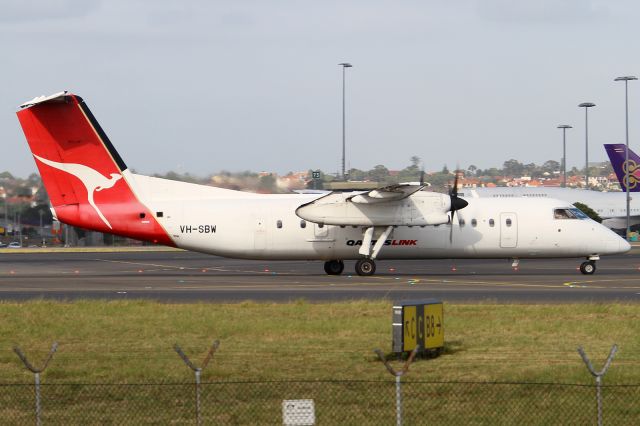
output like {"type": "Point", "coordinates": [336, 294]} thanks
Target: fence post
{"type": "Point", "coordinates": [198, 371]}
{"type": "Point", "coordinates": [398, 374]}
{"type": "Point", "coordinates": [598, 375]}
{"type": "Point", "coordinates": [36, 372]}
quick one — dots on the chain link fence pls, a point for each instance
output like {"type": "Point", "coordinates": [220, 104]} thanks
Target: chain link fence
{"type": "Point", "coordinates": [336, 402]}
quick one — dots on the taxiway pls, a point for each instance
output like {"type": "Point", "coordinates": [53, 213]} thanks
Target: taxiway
{"type": "Point", "coordinates": [177, 276]}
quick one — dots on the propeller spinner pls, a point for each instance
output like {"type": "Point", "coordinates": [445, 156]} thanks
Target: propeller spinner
{"type": "Point", "coordinates": [457, 203]}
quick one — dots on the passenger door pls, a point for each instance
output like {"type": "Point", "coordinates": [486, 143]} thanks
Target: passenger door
{"type": "Point", "coordinates": [508, 230]}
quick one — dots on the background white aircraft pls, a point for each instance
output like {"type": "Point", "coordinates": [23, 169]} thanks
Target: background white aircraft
{"type": "Point", "coordinates": [90, 186]}
{"type": "Point", "coordinates": [610, 206]}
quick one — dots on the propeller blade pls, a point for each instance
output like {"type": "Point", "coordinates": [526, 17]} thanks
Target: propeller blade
{"type": "Point", "coordinates": [457, 203]}
{"type": "Point", "coordinates": [453, 212]}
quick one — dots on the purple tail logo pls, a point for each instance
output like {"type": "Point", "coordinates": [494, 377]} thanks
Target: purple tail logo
{"type": "Point", "coordinates": [617, 156]}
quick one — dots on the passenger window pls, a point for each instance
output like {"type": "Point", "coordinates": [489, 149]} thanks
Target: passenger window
{"type": "Point", "coordinates": [279, 224]}
{"type": "Point", "coordinates": [491, 222]}
{"type": "Point", "coordinates": [508, 222]}
{"type": "Point", "coordinates": [461, 222]}
{"type": "Point", "coordinates": [303, 224]}
{"type": "Point", "coordinates": [474, 223]}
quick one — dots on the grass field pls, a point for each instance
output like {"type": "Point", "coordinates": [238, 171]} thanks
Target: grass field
{"type": "Point", "coordinates": [131, 341]}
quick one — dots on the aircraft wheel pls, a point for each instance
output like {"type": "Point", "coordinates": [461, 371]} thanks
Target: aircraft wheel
{"type": "Point", "coordinates": [365, 267]}
{"type": "Point", "coordinates": [588, 268]}
{"type": "Point", "coordinates": [334, 267]}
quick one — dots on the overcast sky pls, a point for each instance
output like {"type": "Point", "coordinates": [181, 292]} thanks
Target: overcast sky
{"type": "Point", "coordinates": [202, 86]}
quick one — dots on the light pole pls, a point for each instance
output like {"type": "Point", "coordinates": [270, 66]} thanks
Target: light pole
{"type": "Point", "coordinates": [6, 215]}
{"type": "Point", "coordinates": [586, 106]}
{"type": "Point", "coordinates": [626, 154]}
{"type": "Point", "coordinates": [344, 65]}
{"type": "Point", "coordinates": [41, 212]}
{"type": "Point", "coordinates": [564, 128]}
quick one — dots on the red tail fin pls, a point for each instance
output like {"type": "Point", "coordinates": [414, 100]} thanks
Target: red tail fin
{"type": "Point", "coordinates": [87, 181]}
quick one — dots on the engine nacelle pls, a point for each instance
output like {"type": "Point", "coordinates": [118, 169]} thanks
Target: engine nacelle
{"type": "Point", "coordinates": [421, 208]}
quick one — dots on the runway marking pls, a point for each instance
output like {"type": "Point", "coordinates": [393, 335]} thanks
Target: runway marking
{"type": "Point", "coordinates": [581, 284]}
{"type": "Point", "coordinates": [180, 268]}
{"type": "Point", "coordinates": [168, 267]}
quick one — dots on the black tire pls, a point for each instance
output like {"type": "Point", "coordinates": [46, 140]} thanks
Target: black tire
{"type": "Point", "coordinates": [365, 267]}
{"type": "Point", "coordinates": [588, 268]}
{"type": "Point", "coordinates": [334, 267]}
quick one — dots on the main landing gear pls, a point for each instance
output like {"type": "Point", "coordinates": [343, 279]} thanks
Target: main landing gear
{"type": "Point", "coordinates": [369, 249]}
{"type": "Point", "coordinates": [334, 267]}
{"type": "Point", "coordinates": [364, 267]}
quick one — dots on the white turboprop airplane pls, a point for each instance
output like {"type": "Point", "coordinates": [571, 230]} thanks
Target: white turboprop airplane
{"type": "Point", "coordinates": [91, 187]}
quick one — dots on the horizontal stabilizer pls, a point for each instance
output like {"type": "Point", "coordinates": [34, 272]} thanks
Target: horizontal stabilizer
{"type": "Point", "coordinates": [60, 96]}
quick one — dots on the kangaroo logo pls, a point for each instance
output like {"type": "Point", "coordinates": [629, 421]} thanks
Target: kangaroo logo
{"type": "Point", "coordinates": [92, 180]}
{"type": "Point", "coordinates": [634, 174]}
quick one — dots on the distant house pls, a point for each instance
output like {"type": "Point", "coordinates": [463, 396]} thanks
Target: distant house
{"type": "Point", "coordinates": [552, 183]}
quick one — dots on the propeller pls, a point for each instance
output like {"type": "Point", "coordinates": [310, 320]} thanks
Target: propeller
{"type": "Point", "coordinates": [457, 203]}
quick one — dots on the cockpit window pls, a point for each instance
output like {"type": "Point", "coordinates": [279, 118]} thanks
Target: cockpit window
{"type": "Point", "coordinates": [569, 213]}
{"type": "Point", "coordinates": [579, 213]}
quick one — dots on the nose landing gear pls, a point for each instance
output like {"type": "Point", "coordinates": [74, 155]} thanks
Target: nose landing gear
{"type": "Point", "coordinates": [588, 268]}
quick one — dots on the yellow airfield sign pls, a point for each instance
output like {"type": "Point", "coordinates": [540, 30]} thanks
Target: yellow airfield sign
{"type": "Point", "coordinates": [418, 322]}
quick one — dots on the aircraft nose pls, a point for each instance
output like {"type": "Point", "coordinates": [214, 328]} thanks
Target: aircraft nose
{"type": "Point", "coordinates": [616, 244]}
{"type": "Point", "coordinates": [612, 243]}
{"type": "Point", "coordinates": [624, 245]}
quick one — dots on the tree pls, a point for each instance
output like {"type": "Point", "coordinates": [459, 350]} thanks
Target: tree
{"type": "Point", "coordinates": [34, 179]}
{"type": "Point", "coordinates": [588, 211]}
{"type": "Point", "coordinates": [379, 173]}
{"type": "Point", "coordinates": [31, 215]}
{"type": "Point", "coordinates": [513, 168]}
{"type": "Point", "coordinates": [530, 169]}
{"type": "Point", "coordinates": [356, 174]}
{"type": "Point", "coordinates": [267, 183]}
{"type": "Point", "coordinates": [445, 169]}
{"type": "Point", "coordinates": [551, 166]}
{"type": "Point", "coordinates": [472, 170]}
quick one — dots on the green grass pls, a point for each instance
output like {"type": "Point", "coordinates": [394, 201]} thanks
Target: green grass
{"type": "Point", "coordinates": [123, 344]}
{"type": "Point", "coordinates": [131, 341]}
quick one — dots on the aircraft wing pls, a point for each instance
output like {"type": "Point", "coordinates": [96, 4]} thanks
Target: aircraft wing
{"type": "Point", "coordinates": [380, 207]}
{"type": "Point", "coordinates": [386, 194]}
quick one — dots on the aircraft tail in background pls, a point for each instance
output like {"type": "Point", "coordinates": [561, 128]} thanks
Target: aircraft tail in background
{"type": "Point", "coordinates": [617, 154]}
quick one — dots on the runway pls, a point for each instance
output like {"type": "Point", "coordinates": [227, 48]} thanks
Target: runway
{"type": "Point", "coordinates": [177, 276]}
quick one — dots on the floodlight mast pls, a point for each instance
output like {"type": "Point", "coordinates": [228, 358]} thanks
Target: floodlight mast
{"type": "Point", "coordinates": [626, 80]}
{"type": "Point", "coordinates": [344, 65]}
{"type": "Point", "coordinates": [586, 106]}
{"type": "Point", "coordinates": [564, 128]}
